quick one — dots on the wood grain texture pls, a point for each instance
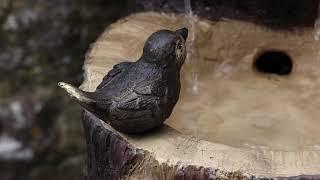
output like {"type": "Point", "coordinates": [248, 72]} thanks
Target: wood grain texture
{"type": "Point", "coordinates": [111, 157]}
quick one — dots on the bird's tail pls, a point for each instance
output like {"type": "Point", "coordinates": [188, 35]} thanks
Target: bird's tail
{"type": "Point", "coordinates": [85, 99]}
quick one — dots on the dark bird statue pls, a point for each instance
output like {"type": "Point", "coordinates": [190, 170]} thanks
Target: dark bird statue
{"type": "Point", "coordinates": [135, 97]}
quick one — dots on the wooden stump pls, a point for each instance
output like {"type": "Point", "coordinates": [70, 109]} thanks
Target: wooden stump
{"type": "Point", "coordinates": [202, 145]}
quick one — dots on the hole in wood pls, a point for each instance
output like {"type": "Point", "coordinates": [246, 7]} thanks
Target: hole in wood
{"type": "Point", "coordinates": [274, 62]}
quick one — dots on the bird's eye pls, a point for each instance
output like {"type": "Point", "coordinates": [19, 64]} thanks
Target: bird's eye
{"type": "Point", "coordinates": [179, 46]}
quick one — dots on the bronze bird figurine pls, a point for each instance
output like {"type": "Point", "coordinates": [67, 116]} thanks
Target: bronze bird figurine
{"type": "Point", "coordinates": [135, 97]}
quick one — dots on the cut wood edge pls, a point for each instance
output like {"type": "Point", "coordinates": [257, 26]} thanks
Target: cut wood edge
{"type": "Point", "coordinates": [132, 158]}
{"type": "Point", "coordinates": [168, 146]}
{"type": "Point", "coordinates": [112, 156]}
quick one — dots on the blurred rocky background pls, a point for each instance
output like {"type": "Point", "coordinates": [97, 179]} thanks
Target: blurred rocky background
{"type": "Point", "coordinates": [43, 42]}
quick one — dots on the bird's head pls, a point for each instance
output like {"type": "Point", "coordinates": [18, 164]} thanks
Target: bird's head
{"type": "Point", "coordinates": [166, 48]}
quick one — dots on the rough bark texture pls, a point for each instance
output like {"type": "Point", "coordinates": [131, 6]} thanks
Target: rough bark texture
{"type": "Point", "coordinates": [192, 172]}
{"type": "Point", "coordinates": [109, 155]}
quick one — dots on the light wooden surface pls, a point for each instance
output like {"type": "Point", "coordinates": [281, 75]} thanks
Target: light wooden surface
{"type": "Point", "coordinates": [219, 43]}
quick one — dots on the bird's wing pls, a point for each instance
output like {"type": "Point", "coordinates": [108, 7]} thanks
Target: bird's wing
{"type": "Point", "coordinates": [145, 96]}
{"type": "Point", "coordinates": [139, 108]}
{"type": "Point", "coordinates": [117, 69]}
{"type": "Point", "coordinates": [152, 87]}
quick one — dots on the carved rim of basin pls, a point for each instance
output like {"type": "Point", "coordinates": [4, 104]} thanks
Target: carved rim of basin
{"type": "Point", "coordinates": [227, 50]}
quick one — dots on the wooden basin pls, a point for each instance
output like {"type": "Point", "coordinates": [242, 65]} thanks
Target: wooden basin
{"type": "Point", "coordinates": [238, 115]}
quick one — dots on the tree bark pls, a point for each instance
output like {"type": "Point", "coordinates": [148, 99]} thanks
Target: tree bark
{"type": "Point", "coordinates": [109, 155]}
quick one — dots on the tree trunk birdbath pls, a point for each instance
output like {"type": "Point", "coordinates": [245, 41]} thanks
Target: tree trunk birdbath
{"type": "Point", "coordinates": [248, 108]}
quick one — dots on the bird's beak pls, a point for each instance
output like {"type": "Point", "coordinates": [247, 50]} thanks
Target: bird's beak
{"type": "Point", "coordinates": [183, 32]}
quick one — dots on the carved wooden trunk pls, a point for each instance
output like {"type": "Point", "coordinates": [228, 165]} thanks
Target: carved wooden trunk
{"type": "Point", "coordinates": [234, 119]}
